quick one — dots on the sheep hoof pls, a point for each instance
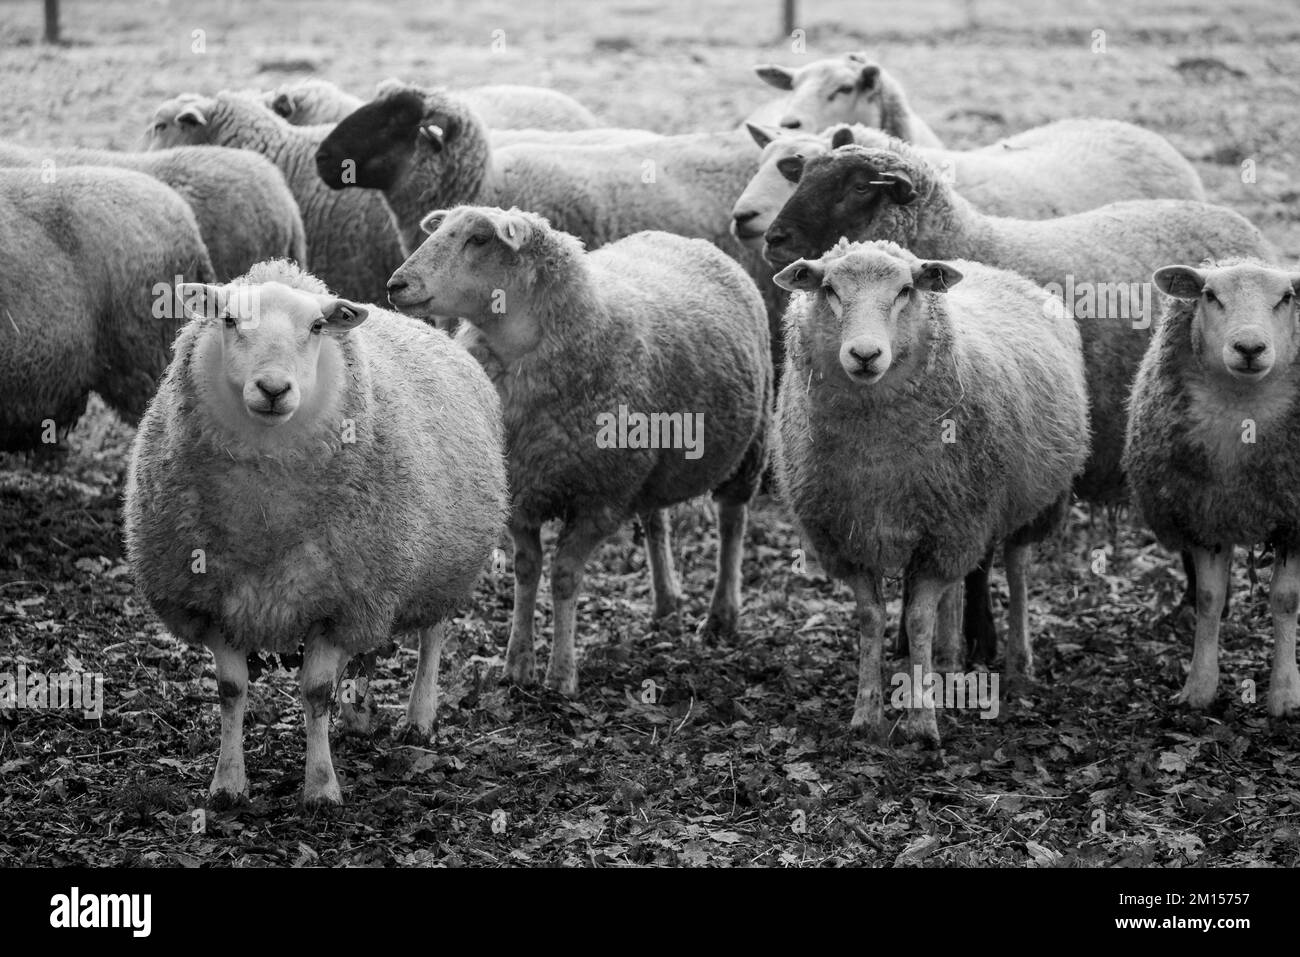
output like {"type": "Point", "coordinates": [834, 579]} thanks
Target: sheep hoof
{"type": "Point", "coordinates": [414, 734]}
{"type": "Point", "coordinates": [1284, 698]}
{"type": "Point", "coordinates": [720, 624]}
{"type": "Point", "coordinates": [922, 727]}
{"type": "Point", "coordinates": [1197, 694]}
{"type": "Point", "coordinates": [229, 787]}
{"type": "Point", "coordinates": [665, 607]}
{"type": "Point", "coordinates": [565, 684]}
{"type": "Point", "coordinates": [222, 799]}
{"type": "Point", "coordinates": [322, 797]}
{"type": "Point", "coordinates": [871, 730]}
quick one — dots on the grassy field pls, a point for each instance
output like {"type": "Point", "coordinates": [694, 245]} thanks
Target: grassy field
{"type": "Point", "coordinates": [744, 755]}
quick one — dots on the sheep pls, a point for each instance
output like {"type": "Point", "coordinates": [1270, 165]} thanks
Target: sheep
{"type": "Point", "coordinates": [316, 471]}
{"type": "Point", "coordinates": [352, 245]}
{"type": "Point", "coordinates": [1213, 445]}
{"type": "Point", "coordinates": [850, 88]}
{"type": "Point", "coordinates": [1097, 261]}
{"type": "Point", "coordinates": [87, 259]}
{"type": "Point", "coordinates": [312, 101]}
{"type": "Point", "coordinates": [919, 423]}
{"type": "Point", "coordinates": [1065, 167]}
{"type": "Point", "coordinates": [580, 344]}
{"type": "Point", "coordinates": [243, 207]}
{"type": "Point", "coordinates": [427, 149]}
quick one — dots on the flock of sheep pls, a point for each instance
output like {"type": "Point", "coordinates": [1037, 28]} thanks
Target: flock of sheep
{"type": "Point", "coordinates": [896, 328]}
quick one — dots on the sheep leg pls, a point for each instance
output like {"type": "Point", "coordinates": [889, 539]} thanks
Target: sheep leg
{"type": "Point", "coordinates": [321, 662]}
{"type": "Point", "coordinates": [576, 543]}
{"type": "Point", "coordinates": [229, 782]}
{"type": "Point", "coordinates": [949, 645]}
{"type": "Point", "coordinates": [520, 658]}
{"type": "Point", "coordinates": [659, 555]}
{"type": "Point", "coordinates": [977, 623]}
{"type": "Point", "coordinates": [869, 707]}
{"type": "Point", "coordinates": [357, 707]}
{"type": "Point", "coordinates": [1020, 650]}
{"type": "Point", "coordinates": [423, 706]}
{"type": "Point", "coordinates": [1211, 587]}
{"type": "Point", "coordinates": [724, 608]}
{"type": "Point", "coordinates": [1284, 602]}
{"type": "Point", "coordinates": [922, 723]}
{"type": "Point", "coordinates": [1189, 593]}
{"type": "Point", "coordinates": [900, 641]}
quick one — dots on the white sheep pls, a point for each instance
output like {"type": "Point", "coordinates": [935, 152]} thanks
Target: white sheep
{"type": "Point", "coordinates": [352, 245]}
{"type": "Point", "coordinates": [1054, 170]}
{"type": "Point", "coordinates": [244, 209]}
{"type": "Point", "coordinates": [930, 409]}
{"type": "Point", "coordinates": [632, 378]}
{"type": "Point", "coordinates": [1098, 262]}
{"type": "Point", "coordinates": [302, 477]}
{"type": "Point", "coordinates": [850, 88]}
{"type": "Point", "coordinates": [88, 259]}
{"type": "Point", "coordinates": [1213, 450]}
{"type": "Point", "coordinates": [312, 101]}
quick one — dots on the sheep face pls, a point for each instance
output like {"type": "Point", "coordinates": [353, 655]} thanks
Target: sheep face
{"type": "Point", "coordinates": [470, 266]}
{"type": "Point", "coordinates": [772, 186]}
{"type": "Point", "coordinates": [262, 358]}
{"type": "Point", "coordinates": [870, 311]}
{"type": "Point", "coordinates": [378, 144]}
{"type": "Point", "coordinates": [842, 89]}
{"type": "Point", "coordinates": [848, 192]}
{"type": "Point", "coordinates": [180, 121]}
{"type": "Point", "coordinates": [1245, 323]}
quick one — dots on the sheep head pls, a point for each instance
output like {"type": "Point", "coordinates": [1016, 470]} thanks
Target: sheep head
{"type": "Point", "coordinates": [843, 89]}
{"type": "Point", "coordinates": [852, 191]}
{"type": "Point", "coordinates": [268, 354]}
{"type": "Point", "coordinates": [379, 144]}
{"type": "Point", "coordinates": [771, 187]}
{"type": "Point", "coordinates": [870, 308]}
{"type": "Point", "coordinates": [180, 121]}
{"type": "Point", "coordinates": [1245, 325]}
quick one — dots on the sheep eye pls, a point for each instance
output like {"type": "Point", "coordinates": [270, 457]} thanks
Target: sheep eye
{"type": "Point", "coordinates": [159, 127]}
{"type": "Point", "coordinates": [904, 292]}
{"type": "Point", "coordinates": [861, 187]}
{"type": "Point", "coordinates": [844, 90]}
{"type": "Point", "coordinates": [317, 327]}
{"type": "Point", "coordinates": [1287, 298]}
{"type": "Point", "coordinates": [476, 240]}
{"type": "Point", "coordinates": [1210, 296]}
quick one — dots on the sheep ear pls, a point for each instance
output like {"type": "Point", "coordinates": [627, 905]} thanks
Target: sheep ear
{"type": "Point", "coordinates": [762, 134]}
{"type": "Point", "coordinates": [869, 77]}
{"type": "Point", "coordinates": [842, 136]}
{"type": "Point", "coordinates": [512, 230]}
{"type": "Point", "coordinates": [341, 315]}
{"type": "Point", "coordinates": [282, 105]}
{"type": "Point", "coordinates": [199, 300]}
{"type": "Point", "coordinates": [898, 187]}
{"type": "Point", "coordinates": [934, 277]}
{"type": "Point", "coordinates": [191, 116]}
{"type": "Point", "coordinates": [791, 167]}
{"type": "Point", "coordinates": [777, 76]}
{"type": "Point", "coordinates": [1179, 282]}
{"type": "Point", "coordinates": [801, 275]}
{"type": "Point", "coordinates": [431, 222]}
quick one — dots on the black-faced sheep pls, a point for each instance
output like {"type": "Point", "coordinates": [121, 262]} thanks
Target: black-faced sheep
{"type": "Point", "coordinates": [1213, 450]}
{"type": "Point", "coordinates": [1064, 167]}
{"type": "Point", "coordinates": [88, 260]}
{"type": "Point", "coordinates": [311, 471]}
{"type": "Point", "coordinates": [919, 425]}
{"type": "Point", "coordinates": [612, 366]}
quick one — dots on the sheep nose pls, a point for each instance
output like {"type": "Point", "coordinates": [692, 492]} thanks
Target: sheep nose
{"type": "Point", "coordinates": [396, 286]}
{"type": "Point", "coordinates": [791, 123]}
{"type": "Point", "coordinates": [742, 218]}
{"type": "Point", "coordinates": [864, 357]}
{"type": "Point", "coordinates": [1249, 350]}
{"type": "Point", "coordinates": [272, 390]}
